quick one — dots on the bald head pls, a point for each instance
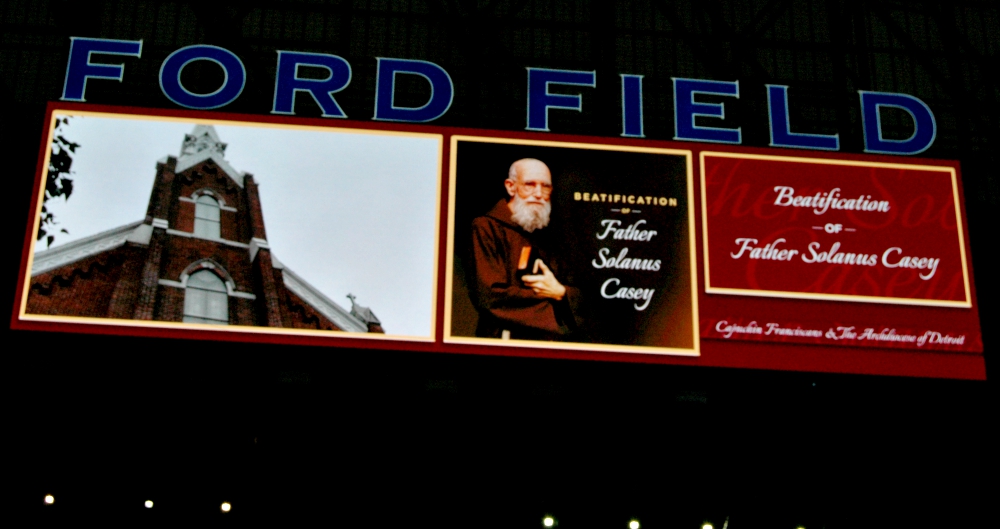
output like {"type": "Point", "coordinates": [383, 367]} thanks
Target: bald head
{"type": "Point", "coordinates": [528, 166]}
{"type": "Point", "coordinates": [529, 184]}
{"type": "Point", "coordinates": [530, 179]}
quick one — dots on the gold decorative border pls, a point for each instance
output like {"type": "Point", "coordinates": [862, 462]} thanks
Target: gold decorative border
{"type": "Point", "coordinates": [709, 289]}
{"type": "Point", "coordinates": [449, 272]}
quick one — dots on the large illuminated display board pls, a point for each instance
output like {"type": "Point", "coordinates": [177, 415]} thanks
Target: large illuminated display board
{"type": "Point", "coordinates": [367, 235]}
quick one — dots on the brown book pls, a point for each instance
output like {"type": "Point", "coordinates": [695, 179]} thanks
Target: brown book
{"type": "Point", "coordinates": [522, 263]}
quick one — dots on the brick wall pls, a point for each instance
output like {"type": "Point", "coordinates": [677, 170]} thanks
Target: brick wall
{"type": "Point", "coordinates": [83, 288]}
{"type": "Point", "coordinates": [181, 251]}
{"type": "Point", "coordinates": [303, 316]}
{"type": "Point", "coordinates": [207, 176]}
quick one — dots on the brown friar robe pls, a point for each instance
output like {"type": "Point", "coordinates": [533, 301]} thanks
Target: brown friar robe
{"type": "Point", "coordinates": [502, 299]}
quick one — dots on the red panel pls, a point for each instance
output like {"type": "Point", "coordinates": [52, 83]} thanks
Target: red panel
{"type": "Point", "coordinates": [830, 229]}
{"type": "Point", "coordinates": [833, 237]}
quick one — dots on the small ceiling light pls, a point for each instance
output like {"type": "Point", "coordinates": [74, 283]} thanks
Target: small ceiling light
{"type": "Point", "coordinates": [49, 499]}
{"type": "Point", "coordinates": [707, 525]}
{"type": "Point", "coordinates": [548, 521]}
{"type": "Point", "coordinates": [225, 507]}
{"type": "Point", "coordinates": [633, 524]}
{"type": "Point", "coordinates": [148, 504]}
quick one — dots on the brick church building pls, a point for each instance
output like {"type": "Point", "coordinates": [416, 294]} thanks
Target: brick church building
{"type": "Point", "coordinates": [199, 256]}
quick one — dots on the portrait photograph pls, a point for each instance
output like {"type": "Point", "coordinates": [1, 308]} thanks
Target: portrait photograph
{"type": "Point", "coordinates": [228, 225]}
{"type": "Point", "coordinates": [570, 245]}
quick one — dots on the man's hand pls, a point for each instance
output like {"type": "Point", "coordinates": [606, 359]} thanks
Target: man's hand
{"type": "Point", "coordinates": [545, 284]}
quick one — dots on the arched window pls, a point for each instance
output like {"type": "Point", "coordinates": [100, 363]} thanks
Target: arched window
{"type": "Point", "coordinates": [206, 217]}
{"type": "Point", "coordinates": [206, 300]}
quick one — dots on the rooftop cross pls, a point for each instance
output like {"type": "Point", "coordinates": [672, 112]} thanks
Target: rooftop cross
{"type": "Point", "coordinates": [362, 313]}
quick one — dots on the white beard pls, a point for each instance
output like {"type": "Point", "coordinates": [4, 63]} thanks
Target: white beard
{"type": "Point", "coordinates": [530, 215]}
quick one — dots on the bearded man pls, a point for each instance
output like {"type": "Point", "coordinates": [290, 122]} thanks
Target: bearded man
{"type": "Point", "coordinates": [515, 285]}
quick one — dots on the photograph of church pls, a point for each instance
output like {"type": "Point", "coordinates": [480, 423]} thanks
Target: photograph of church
{"type": "Point", "coordinates": [201, 255]}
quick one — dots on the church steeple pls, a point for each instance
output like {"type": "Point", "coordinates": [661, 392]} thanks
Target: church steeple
{"type": "Point", "coordinates": [202, 138]}
{"type": "Point", "coordinates": [203, 143]}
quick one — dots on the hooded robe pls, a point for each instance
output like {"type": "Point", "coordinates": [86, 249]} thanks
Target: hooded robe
{"type": "Point", "coordinates": [501, 298]}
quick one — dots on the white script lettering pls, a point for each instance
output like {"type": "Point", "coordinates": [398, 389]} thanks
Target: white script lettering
{"type": "Point", "coordinates": [835, 257]}
{"type": "Point", "coordinates": [631, 233]}
{"type": "Point", "coordinates": [821, 202]}
{"type": "Point", "coordinates": [769, 251]}
{"type": "Point", "coordinates": [727, 329]}
{"type": "Point", "coordinates": [644, 294]}
{"type": "Point", "coordinates": [628, 263]}
{"type": "Point", "coordinates": [917, 263]}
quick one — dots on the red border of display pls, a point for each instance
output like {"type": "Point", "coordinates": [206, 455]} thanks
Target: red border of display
{"type": "Point", "coordinates": [714, 353]}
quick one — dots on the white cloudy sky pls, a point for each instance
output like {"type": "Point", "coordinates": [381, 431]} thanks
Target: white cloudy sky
{"type": "Point", "coordinates": [348, 212]}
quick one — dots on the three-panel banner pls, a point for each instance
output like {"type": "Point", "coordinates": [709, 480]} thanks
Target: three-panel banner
{"type": "Point", "coordinates": [375, 236]}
